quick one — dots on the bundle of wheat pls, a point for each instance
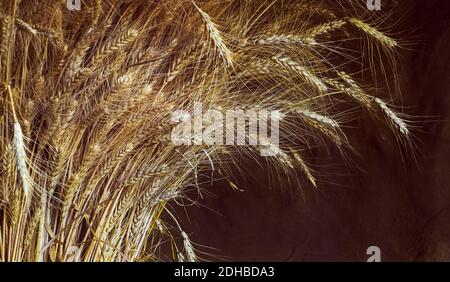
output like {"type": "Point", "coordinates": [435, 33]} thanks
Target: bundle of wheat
{"type": "Point", "coordinates": [88, 165]}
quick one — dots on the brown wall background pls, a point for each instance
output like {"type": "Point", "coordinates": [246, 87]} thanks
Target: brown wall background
{"type": "Point", "coordinates": [402, 208]}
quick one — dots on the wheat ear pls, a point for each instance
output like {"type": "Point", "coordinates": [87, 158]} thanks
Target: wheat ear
{"type": "Point", "coordinates": [301, 70]}
{"type": "Point", "coordinates": [19, 145]}
{"type": "Point", "coordinates": [216, 36]}
{"type": "Point", "coordinates": [308, 38]}
{"type": "Point", "coordinates": [374, 33]}
{"type": "Point", "coordinates": [398, 123]}
{"type": "Point", "coordinates": [190, 253]}
{"type": "Point", "coordinates": [304, 167]}
{"type": "Point", "coordinates": [321, 29]}
{"type": "Point", "coordinates": [323, 124]}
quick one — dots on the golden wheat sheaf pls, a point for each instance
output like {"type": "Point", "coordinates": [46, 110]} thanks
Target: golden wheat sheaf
{"type": "Point", "coordinates": [88, 167]}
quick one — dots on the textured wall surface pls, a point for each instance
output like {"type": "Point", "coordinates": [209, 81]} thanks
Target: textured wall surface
{"type": "Point", "coordinates": [402, 207]}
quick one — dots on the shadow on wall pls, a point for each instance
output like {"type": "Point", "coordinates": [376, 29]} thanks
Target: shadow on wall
{"type": "Point", "coordinates": [403, 209]}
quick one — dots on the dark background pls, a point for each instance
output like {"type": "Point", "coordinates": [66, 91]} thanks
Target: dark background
{"type": "Point", "coordinates": [402, 208]}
